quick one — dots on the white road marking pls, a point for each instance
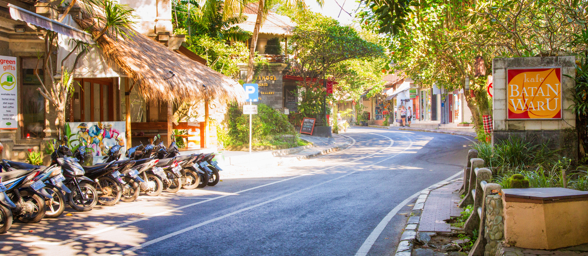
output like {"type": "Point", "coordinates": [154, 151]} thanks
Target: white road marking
{"type": "Point", "coordinates": [369, 242]}
{"type": "Point", "coordinates": [220, 197]}
{"type": "Point", "coordinates": [159, 239]}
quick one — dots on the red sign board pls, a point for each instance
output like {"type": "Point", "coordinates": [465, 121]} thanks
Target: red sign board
{"type": "Point", "coordinates": [329, 88]}
{"type": "Point", "coordinates": [534, 93]}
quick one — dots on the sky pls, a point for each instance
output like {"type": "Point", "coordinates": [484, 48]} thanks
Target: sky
{"type": "Point", "coordinates": [332, 9]}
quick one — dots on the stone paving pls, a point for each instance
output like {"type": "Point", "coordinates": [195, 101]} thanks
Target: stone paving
{"type": "Point", "coordinates": [441, 205]}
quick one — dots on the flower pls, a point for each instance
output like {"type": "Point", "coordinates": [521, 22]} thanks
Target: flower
{"type": "Point", "coordinates": [314, 89]}
{"type": "Point", "coordinates": [30, 150]}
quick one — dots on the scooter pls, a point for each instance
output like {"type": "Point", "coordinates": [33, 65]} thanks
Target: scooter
{"type": "Point", "coordinates": [83, 196]}
{"type": "Point", "coordinates": [107, 177]}
{"type": "Point", "coordinates": [53, 178]}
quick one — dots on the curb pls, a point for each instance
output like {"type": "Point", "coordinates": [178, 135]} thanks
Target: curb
{"type": "Point", "coordinates": [324, 152]}
{"type": "Point", "coordinates": [288, 151]}
{"type": "Point", "coordinates": [406, 243]}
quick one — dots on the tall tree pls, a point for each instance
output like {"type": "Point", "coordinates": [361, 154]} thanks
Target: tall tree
{"type": "Point", "coordinates": [263, 7]}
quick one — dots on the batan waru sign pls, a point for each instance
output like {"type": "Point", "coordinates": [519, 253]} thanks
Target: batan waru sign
{"type": "Point", "coordinates": [534, 93]}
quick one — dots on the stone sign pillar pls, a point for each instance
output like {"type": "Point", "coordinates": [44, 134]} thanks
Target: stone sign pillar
{"type": "Point", "coordinates": [531, 100]}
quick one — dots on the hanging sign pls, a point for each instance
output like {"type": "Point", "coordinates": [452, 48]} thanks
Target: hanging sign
{"type": "Point", "coordinates": [307, 125]}
{"type": "Point", "coordinates": [8, 93]}
{"type": "Point", "coordinates": [534, 93]}
{"type": "Point", "coordinates": [250, 109]}
{"type": "Point", "coordinates": [413, 93]}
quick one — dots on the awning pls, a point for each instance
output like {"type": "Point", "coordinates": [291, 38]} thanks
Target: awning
{"type": "Point", "coordinates": [403, 87]}
{"type": "Point", "coordinates": [27, 16]}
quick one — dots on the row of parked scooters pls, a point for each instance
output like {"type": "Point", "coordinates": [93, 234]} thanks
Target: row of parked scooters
{"type": "Point", "coordinates": [30, 192]}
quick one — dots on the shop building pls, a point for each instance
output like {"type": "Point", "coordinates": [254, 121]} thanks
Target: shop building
{"type": "Point", "coordinates": [132, 82]}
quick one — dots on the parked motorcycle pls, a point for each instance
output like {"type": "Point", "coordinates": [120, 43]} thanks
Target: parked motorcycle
{"type": "Point", "coordinates": [107, 177]}
{"type": "Point", "coordinates": [83, 196]}
{"type": "Point", "coordinates": [52, 177]}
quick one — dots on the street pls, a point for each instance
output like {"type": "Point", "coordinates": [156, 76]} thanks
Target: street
{"type": "Point", "coordinates": [330, 205]}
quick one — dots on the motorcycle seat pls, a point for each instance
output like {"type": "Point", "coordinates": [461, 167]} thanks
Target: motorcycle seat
{"type": "Point", "coordinates": [94, 168]}
{"type": "Point", "coordinates": [6, 176]}
{"type": "Point", "coordinates": [164, 162]}
{"type": "Point", "coordinates": [22, 166]}
{"type": "Point", "coordinates": [142, 161]}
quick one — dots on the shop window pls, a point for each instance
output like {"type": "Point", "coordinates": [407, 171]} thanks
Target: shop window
{"type": "Point", "coordinates": [33, 103]}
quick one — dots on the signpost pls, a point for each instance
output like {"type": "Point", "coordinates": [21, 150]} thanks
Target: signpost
{"type": "Point", "coordinates": [252, 91]}
{"type": "Point", "coordinates": [307, 125]}
{"type": "Point", "coordinates": [8, 93]}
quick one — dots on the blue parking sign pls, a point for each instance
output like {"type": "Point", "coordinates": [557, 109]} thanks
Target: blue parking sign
{"type": "Point", "coordinates": [252, 92]}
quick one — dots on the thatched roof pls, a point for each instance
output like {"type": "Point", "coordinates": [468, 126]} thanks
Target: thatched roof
{"type": "Point", "coordinates": [161, 74]}
{"type": "Point", "coordinates": [274, 23]}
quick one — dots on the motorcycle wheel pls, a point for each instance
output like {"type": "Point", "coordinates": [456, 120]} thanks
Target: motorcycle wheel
{"type": "Point", "coordinates": [109, 191]}
{"type": "Point", "coordinates": [131, 190]}
{"type": "Point", "coordinates": [156, 185]}
{"type": "Point", "coordinates": [203, 180]}
{"type": "Point", "coordinates": [214, 178]}
{"type": "Point", "coordinates": [5, 219]}
{"type": "Point", "coordinates": [56, 205]}
{"type": "Point", "coordinates": [192, 179]}
{"type": "Point", "coordinates": [84, 202]}
{"type": "Point", "coordinates": [38, 209]}
{"type": "Point", "coordinates": [175, 182]}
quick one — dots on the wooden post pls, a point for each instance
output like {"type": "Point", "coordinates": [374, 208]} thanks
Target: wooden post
{"type": "Point", "coordinates": [286, 47]}
{"type": "Point", "coordinates": [204, 142]}
{"type": "Point", "coordinates": [170, 125]}
{"type": "Point", "coordinates": [128, 112]}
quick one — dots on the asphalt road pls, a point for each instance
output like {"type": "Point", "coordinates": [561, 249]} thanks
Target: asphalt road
{"type": "Point", "coordinates": [330, 205]}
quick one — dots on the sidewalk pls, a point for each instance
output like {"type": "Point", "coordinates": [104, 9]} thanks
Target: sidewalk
{"type": "Point", "coordinates": [267, 158]}
{"type": "Point", "coordinates": [428, 232]}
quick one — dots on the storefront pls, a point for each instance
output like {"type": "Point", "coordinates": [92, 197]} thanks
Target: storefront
{"type": "Point", "coordinates": [132, 83]}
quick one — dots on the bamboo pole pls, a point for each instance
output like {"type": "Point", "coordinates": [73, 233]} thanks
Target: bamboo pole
{"type": "Point", "coordinates": [204, 143]}
{"type": "Point", "coordinates": [128, 112]}
{"type": "Point", "coordinates": [170, 126]}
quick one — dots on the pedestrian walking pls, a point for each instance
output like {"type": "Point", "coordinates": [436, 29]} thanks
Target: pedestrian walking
{"type": "Point", "coordinates": [409, 115]}
{"type": "Point", "coordinates": [403, 115]}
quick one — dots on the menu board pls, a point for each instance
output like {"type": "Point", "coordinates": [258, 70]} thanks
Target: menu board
{"type": "Point", "coordinates": [307, 125]}
{"type": "Point", "coordinates": [8, 93]}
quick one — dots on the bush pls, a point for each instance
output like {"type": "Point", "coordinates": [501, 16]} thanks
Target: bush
{"type": "Point", "coordinates": [273, 46]}
{"type": "Point", "coordinates": [270, 127]}
{"type": "Point", "coordinates": [386, 123]}
{"type": "Point", "coordinates": [518, 181]}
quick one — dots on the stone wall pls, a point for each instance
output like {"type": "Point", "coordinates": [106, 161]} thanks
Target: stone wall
{"type": "Point", "coordinates": [269, 80]}
{"type": "Point", "coordinates": [494, 229]}
{"type": "Point", "coordinates": [558, 133]}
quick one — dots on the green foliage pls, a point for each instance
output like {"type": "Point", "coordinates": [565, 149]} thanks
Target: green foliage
{"type": "Point", "coordinates": [180, 140]}
{"type": "Point", "coordinates": [208, 28]}
{"type": "Point", "coordinates": [386, 122]}
{"type": "Point", "coordinates": [270, 128]}
{"type": "Point", "coordinates": [34, 157]}
{"type": "Point", "coordinates": [320, 42]}
{"type": "Point", "coordinates": [312, 95]}
{"type": "Point", "coordinates": [273, 46]}
{"type": "Point", "coordinates": [49, 148]}
{"type": "Point", "coordinates": [518, 181]}
{"type": "Point", "coordinates": [209, 18]}
{"type": "Point", "coordinates": [514, 152]}
{"type": "Point", "coordinates": [218, 55]}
